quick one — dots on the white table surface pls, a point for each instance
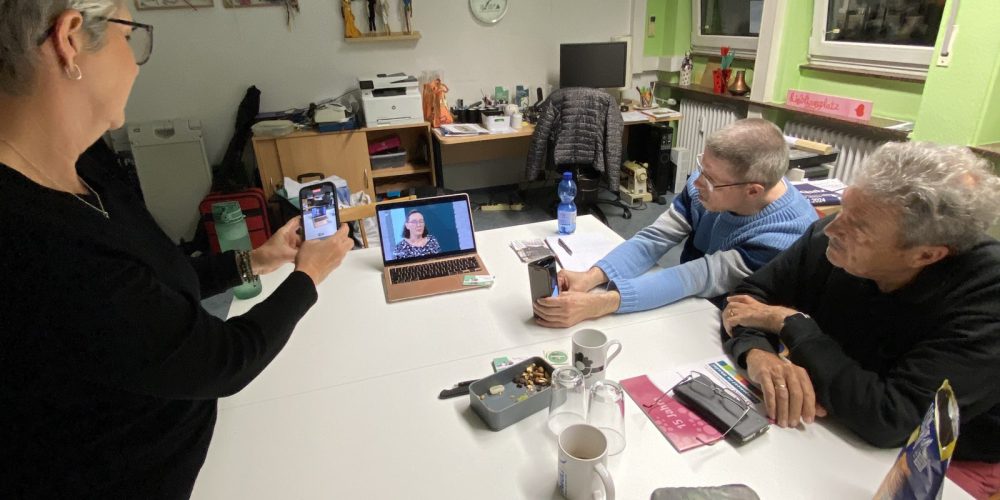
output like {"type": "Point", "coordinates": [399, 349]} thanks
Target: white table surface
{"type": "Point", "coordinates": [349, 409]}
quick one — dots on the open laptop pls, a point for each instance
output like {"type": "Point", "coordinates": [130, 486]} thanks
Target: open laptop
{"type": "Point", "coordinates": [428, 246]}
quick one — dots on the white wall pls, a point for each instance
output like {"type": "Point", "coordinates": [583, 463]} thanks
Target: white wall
{"type": "Point", "coordinates": [203, 61]}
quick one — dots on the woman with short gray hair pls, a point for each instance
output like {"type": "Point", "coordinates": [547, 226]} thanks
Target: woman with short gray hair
{"type": "Point", "coordinates": [110, 367]}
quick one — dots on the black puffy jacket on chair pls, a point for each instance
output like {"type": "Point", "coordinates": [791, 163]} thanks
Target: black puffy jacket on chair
{"type": "Point", "coordinates": [585, 127]}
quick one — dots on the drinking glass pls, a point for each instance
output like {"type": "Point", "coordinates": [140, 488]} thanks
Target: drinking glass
{"type": "Point", "coordinates": [607, 412]}
{"type": "Point", "coordinates": [569, 399]}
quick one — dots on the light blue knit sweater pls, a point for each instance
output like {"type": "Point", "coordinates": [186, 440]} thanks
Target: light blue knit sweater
{"type": "Point", "coordinates": [722, 249]}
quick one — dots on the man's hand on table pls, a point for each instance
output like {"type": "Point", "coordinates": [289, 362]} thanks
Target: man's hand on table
{"type": "Point", "coordinates": [571, 307]}
{"type": "Point", "coordinates": [575, 281]}
{"type": "Point", "coordinates": [744, 310]}
{"type": "Point", "coordinates": [788, 390]}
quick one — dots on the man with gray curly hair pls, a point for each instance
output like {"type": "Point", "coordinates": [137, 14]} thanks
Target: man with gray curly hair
{"type": "Point", "coordinates": [736, 213]}
{"type": "Point", "coordinates": [880, 304]}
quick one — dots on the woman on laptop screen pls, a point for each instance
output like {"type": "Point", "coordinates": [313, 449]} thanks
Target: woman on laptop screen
{"type": "Point", "coordinates": [416, 240]}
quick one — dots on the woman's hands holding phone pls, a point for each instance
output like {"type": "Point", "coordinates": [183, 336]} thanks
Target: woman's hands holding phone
{"type": "Point", "coordinates": [318, 258]}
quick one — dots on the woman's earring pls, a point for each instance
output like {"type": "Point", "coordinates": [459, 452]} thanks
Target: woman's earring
{"type": "Point", "coordinates": [69, 72]}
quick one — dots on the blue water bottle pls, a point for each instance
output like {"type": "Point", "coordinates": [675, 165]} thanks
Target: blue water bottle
{"type": "Point", "coordinates": [567, 209]}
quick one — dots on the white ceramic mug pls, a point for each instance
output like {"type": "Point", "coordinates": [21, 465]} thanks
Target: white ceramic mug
{"type": "Point", "coordinates": [796, 174]}
{"type": "Point", "coordinates": [583, 453]}
{"type": "Point", "coordinates": [590, 353]}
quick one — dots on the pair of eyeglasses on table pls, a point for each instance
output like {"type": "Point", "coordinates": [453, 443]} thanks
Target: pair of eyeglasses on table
{"type": "Point", "coordinates": [704, 386]}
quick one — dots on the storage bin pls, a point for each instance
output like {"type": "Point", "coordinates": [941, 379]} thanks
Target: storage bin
{"type": "Point", "coordinates": [388, 160]}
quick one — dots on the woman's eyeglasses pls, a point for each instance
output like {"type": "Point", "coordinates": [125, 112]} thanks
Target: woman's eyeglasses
{"type": "Point", "coordinates": [708, 181]}
{"type": "Point", "coordinates": [140, 38]}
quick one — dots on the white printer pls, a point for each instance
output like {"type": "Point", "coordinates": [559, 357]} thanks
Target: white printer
{"type": "Point", "coordinates": [391, 99]}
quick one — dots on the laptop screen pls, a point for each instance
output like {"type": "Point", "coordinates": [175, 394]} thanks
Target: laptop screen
{"type": "Point", "coordinates": [427, 228]}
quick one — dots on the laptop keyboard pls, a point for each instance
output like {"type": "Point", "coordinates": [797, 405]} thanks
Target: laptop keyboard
{"type": "Point", "coordinates": [435, 269]}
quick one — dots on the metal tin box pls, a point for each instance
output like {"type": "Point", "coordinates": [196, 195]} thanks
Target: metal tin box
{"type": "Point", "coordinates": [499, 411]}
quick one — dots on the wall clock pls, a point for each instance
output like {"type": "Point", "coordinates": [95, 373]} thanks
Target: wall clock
{"type": "Point", "coordinates": [488, 11]}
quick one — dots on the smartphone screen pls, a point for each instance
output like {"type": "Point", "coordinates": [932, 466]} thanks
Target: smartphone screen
{"type": "Point", "coordinates": [319, 210]}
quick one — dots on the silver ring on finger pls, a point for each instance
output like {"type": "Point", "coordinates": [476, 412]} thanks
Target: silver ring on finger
{"type": "Point", "coordinates": [781, 386]}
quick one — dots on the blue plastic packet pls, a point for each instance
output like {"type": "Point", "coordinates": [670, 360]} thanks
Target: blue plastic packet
{"type": "Point", "coordinates": [919, 471]}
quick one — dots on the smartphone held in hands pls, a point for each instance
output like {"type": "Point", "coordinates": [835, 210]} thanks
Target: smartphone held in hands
{"type": "Point", "coordinates": [543, 278]}
{"type": "Point", "coordinates": [320, 214]}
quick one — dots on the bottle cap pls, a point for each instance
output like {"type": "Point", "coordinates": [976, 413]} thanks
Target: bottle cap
{"type": "Point", "coordinates": [568, 176]}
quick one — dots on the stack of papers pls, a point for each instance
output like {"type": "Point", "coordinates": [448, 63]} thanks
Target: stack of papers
{"type": "Point", "coordinates": [659, 113]}
{"type": "Point", "coordinates": [580, 251]}
{"type": "Point", "coordinates": [634, 116]}
{"type": "Point", "coordinates": [530, 250]}
{"type": "Point", "coordinates": [461, 129]}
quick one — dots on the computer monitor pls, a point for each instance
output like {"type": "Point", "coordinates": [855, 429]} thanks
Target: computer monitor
{"type": "Point", "coordinates": [602, 65]}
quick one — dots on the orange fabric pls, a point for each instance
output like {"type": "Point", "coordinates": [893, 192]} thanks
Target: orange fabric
{"type": "Point", "coordinates": [435, 105]}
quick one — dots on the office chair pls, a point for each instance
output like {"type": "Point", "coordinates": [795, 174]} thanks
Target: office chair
{"type": "Point", "coordinates": [580, 130]}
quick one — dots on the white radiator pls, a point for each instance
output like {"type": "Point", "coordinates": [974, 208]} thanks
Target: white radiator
{"type": "Point", "coordinates": [854, 148]}
{"type": "Point", "coordinates": [699, 120]}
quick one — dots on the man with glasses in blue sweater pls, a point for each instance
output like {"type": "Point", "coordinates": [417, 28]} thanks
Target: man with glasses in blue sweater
{"type": "Point", "coordinates": [737, 212]}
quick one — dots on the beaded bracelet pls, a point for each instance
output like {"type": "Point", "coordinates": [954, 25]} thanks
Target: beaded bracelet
{"type": "Point", "coordinates": [244, 267]}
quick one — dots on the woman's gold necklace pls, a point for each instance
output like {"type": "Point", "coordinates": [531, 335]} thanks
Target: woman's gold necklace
{"type": "Point", "coordinates": [100, 210]}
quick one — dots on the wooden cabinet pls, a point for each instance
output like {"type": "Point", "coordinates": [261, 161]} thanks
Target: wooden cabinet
{"type": "Point", "coordinates": [345, 154]}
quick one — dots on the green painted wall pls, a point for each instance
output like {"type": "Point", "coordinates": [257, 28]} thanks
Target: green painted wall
{"type": "Point", "coordinates": [673, 28]}
{"type": "Point", "coordinates": [957, 98]}
{"type": "Point", "coordinates": [959, 104]}
{"type": "Point", "coordinates": [892, 99]}
{"type": "Point", "coordinates": [653, 46]}
{"type": "Point", "coordinates": [794, 46]}
{"type": "Point", "coordinates": [989, 127]}
{"type": "Point", "coordinates": [989, 130]}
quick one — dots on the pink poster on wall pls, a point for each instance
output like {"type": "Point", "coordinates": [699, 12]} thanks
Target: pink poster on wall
{"type": "Point", "coordinates": [841, 107]}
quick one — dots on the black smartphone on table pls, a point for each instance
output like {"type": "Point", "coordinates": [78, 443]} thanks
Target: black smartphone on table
{"type": "Point", "coordinates": [320, 214]}
{"type": "Point", "coordinates": [543, 278]}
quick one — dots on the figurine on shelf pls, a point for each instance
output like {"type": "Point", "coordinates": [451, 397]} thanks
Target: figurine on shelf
{"type": "Point", "coordinates": [408, 15]}
{"type": "Point", "coordinates": [371, 15]}
{"type": "Point", "coordinates": [350, 29]}
{"type": "Point", "coordinates": [383, 7]}
{"type": "Point", "coordinates": [686, 67]}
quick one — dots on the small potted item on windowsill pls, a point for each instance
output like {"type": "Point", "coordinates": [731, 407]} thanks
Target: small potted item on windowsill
{"type": "Point", "coordinates": [720, 76]}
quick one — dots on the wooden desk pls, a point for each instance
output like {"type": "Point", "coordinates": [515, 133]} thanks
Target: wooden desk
{"type": "Point", "coordinates": [345, 154]}
{"type": "Point", "coordinates": [348, 409]}
{"type": "Point", "coordinates": [451, 150]}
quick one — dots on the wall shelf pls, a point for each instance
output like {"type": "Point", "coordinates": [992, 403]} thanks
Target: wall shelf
{"type": "Point", "coordinates": [875, 127]}
{"type": "Point", "coordinates": [379, 37]}
{"type": "Point", "coordinates": [408, 169]}
{"type": "Point", "coordinates": [708, 93]}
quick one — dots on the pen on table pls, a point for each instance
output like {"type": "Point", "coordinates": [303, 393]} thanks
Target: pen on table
{"type": "Point", "coordinates": [565, 247]}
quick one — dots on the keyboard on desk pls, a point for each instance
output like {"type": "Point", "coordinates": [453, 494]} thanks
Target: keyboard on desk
{"type": "Point", "coordinates": [435, 269]}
